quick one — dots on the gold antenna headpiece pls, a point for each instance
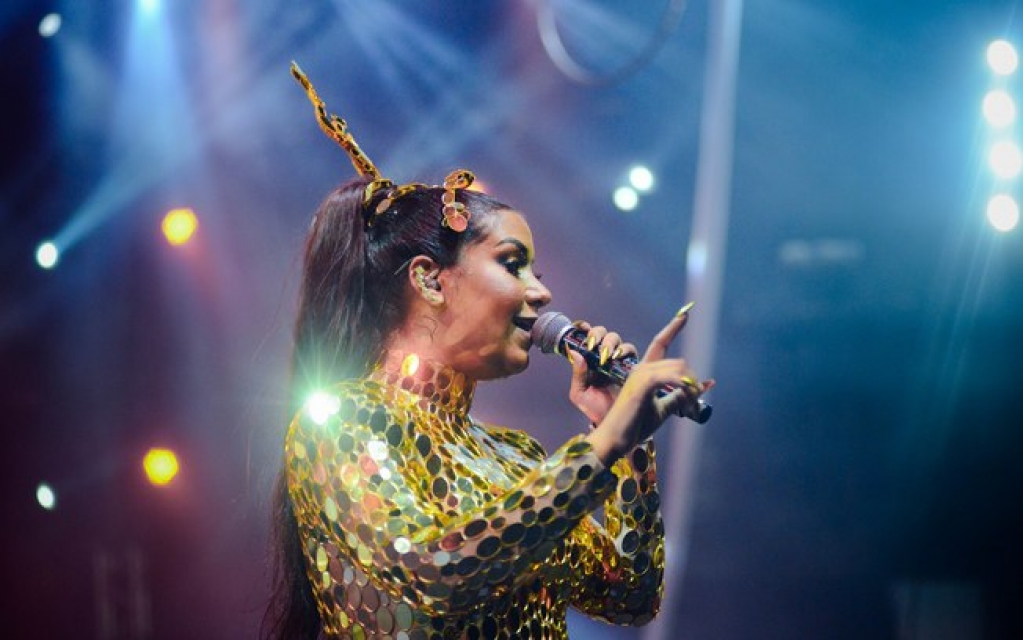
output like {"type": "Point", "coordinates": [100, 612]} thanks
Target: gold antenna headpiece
{"type": "Point", "coordinates": [456, 216]}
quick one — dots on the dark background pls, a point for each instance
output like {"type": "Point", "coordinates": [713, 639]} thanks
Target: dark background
{"type": "Point", "coordinates": [860, 476]}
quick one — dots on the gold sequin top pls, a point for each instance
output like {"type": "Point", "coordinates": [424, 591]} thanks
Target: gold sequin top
{"type": "Point", "coordinates": [419, 522]}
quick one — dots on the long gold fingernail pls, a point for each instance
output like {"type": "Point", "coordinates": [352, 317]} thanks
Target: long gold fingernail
{"type": "Point", "coordinates": [591, 342]}
{"type": "Point", "coordinates": [689, 382]}
{"type": "Point", "coordinates": [685, 309]}
{"type": "Point", "coordinates": [617, 353]}
{"type": "Point", "coordinates": [605, 353]}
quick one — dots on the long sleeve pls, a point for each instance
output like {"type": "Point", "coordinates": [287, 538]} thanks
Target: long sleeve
{"type": "Point", "coordinates": [623, 562]}
{"type": "Point", "coordinates": [375, 485]}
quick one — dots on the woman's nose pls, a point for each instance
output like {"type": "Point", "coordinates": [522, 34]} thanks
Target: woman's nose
{"type": "Point", "coordinates": [538, 295]}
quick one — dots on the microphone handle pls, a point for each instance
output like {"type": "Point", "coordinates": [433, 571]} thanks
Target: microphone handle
{"type": "Point", "coordinates": [617, 371]}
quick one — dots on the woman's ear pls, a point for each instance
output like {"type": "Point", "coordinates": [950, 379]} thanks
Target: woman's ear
{"type": "Point", "coordinates": [423, 275]}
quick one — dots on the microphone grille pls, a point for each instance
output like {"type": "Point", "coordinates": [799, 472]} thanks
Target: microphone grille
{"type": "Point", "coordinates": [548, 329]}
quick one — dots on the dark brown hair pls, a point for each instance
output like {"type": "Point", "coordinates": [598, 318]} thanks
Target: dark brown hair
{"type": "Point", "coordinates": [353, 295]}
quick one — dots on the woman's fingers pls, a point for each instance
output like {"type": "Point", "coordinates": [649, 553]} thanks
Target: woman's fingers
{"type": "Point", "coordinates": [624, 350]}
{"type": "Point", "coordinates": [607, 344]}
{"type": "Point", "coordinates": [659, 345]}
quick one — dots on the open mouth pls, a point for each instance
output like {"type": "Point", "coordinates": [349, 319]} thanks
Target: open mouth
{"type": "Point", "coordinates": [526, 324]}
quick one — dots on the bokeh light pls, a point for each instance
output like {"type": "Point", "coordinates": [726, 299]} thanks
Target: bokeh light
{"type": "Point", "coordinates": [1002, 57]}
{"type": "Point", "coordinates": [1005, 159]}
{"type": "Point", "coordinates": [1003, 212]}
{"type": "Point", "coordinates": [46, 497]}
{"type": "Point", "coordinates": [50, 25]}
{"type": "Point", "coordinates": [179, 226]}
{"type": "Point", "coordinates": [47, 255]}
{"type": "Point", "coordinates": [626, 198]}
{"type": "Point", "coordinates": [641, 179]}
{"type": "Point", "coordinates": [999, 108]}
{"type": "Point", "coordinates": [161, 466]}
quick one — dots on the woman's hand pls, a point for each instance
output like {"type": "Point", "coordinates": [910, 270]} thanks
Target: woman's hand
{"type": "Point", "coordinates": [592, 394]}
{"type": "Point", "coordinates": [635, 413]}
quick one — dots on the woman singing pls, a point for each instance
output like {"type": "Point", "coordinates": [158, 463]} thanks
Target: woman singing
{"type": "Point", "coordinates": [398, 514]}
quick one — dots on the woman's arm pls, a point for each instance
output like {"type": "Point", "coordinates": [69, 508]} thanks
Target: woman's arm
{"type": "Point", "coordinates": [359, 484]}
{"type": "Point", "coordinates": [623, 562]}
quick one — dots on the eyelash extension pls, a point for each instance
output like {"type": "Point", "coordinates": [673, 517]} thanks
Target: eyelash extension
{"type": "Point", "coordinates": [515, 268]}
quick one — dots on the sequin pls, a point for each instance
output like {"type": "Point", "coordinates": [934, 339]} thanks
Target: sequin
{"type": "Point", "coordinates": [419, 522]}
{"type": "Point", "coordinates": [377, 450]}
{"type": "Point", "coordinates": [330, 509]}
{"type": "Point", "coordinates": [402, 545]}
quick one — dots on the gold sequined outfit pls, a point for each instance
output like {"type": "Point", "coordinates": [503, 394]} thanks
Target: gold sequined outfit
{"type": "Point", "coordinates": [418, 522]}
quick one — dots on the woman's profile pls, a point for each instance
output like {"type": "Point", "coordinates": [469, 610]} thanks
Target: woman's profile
{"type": "Point", "coordinates": [399, 515]}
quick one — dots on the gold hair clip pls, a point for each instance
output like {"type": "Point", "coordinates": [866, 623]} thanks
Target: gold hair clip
{"type": "Point", "coordinates": [456, 216]}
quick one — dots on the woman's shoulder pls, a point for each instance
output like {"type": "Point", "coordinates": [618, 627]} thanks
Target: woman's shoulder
{"type": "Point", "coordinates": [353, 400]}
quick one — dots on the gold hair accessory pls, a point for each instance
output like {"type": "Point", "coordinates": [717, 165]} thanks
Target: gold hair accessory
{"type": "Point", "coordinates": [337, 129]}
{"type": "Point", "coordinates": [456, 216]}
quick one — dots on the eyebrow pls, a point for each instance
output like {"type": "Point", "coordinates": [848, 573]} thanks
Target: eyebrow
{"type": "Point", "coordinates": [517, 243]}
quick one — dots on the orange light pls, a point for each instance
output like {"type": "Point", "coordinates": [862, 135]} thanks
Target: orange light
{"type": "Point", "coordinates": [179, 225]}
{"type": "Point", "coordinates": [479, 185]}
{"type": "Point", "coordinates": [161, 466]}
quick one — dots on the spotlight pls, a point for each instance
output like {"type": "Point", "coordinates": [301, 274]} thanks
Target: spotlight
{"type": "Point", "coordinates": [45, 496]}
{"type": "Point", "coordinates": [1002, 57]}
{"type": "Point", "coordinates": [47, 255]}
{"type": "Point", "coordinates": [161, 466]}
{"type": "Point", "coordinates": [321, 405]}
{"type": "Point", "coordinates": [49, 25]}
{"type": "Point", "coordinates": [1005, 159]}
{"type": "Point", "coordinates": [179, 225]}
{"type": "Point", "coordinates": [626, 198]}
{"type": "Point", "coordinates": [999, 108]}
{"type": "Point", "coordinates": [641, 179]}
{"type": "Point", "coordinates": [1003, 212]}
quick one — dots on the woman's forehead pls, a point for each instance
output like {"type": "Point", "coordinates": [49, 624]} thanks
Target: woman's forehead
{"type": "Point", "coordinates": [509, 225]}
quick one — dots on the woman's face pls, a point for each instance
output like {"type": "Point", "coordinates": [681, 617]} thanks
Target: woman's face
{"type": "Point", "coordinates": [491, 286]}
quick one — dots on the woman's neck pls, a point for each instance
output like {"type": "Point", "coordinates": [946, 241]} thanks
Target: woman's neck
{"type": "Point", "coordinates": [434, 381]}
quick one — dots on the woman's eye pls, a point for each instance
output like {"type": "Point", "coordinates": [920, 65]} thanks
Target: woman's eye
{"type": "Point", "coordinates": [514, 267]}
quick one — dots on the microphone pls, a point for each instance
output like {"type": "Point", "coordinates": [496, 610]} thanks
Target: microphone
{"type": "Point", "coordinates": [553, 332]}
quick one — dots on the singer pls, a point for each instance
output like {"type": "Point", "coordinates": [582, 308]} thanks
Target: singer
{"type": "Point", "coordinates": [397, 514]}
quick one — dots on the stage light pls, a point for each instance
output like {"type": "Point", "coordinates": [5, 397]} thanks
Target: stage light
{"type": "Point", "coordinates": [999, 108]}
{"type": "Point", "coordinates": [179, 225]}
{"type": "Point", "coordinates": [321, 405]}
{"type": "Point", "coordinates": [1003, 212]}
{"type": "Point", "coordinates": [49, 25]}
{"type": "Point", "coordinates": [1002, 57]}
{"type": "Point", "coordinates": [161, 466]}
{"type": "Point", "coordinates": [1005, 159]}
{"type": "Point", "coordinates": [47, 255]}
{"type": "Point", "coordinates": [626, 198]}
{"type": "Point", "coordinates": [45, 496]}
{"type": "Point", "coordinates": [150, 6]}
{"type": "Point", "coordinates": [641, 179]}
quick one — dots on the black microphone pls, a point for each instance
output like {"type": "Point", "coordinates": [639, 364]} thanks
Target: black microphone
{"type": "Point", "coordinates": [553, 332]}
